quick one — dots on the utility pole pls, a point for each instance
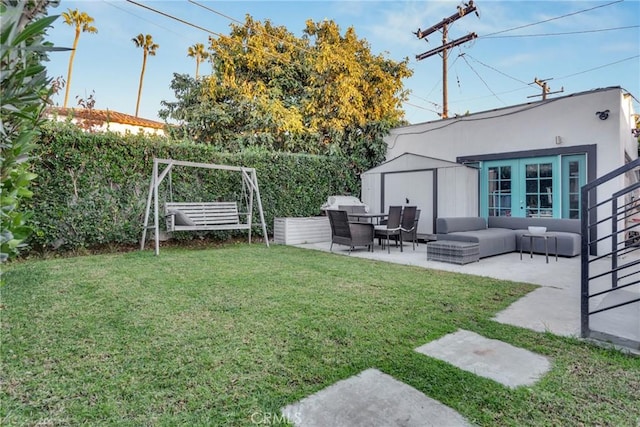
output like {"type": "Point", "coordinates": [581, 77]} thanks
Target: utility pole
{"type": "Point", "coordinates": [545, 88]}
{"type": "Point", "coordinates": [444, 25]}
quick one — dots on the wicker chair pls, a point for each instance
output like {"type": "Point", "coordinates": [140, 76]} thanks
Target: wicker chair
{"type": "Point", "coordinates": [354, 209]}
{"type": "Point", "coordinates": [408, 226]}
{"type": "Point", "coordinates": [391, 228]}
{"type": "Point", "coordinates": [348, 233]}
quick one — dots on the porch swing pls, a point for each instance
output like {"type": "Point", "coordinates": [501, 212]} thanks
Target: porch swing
{"type": "Point", "coordinates": [201, 216]}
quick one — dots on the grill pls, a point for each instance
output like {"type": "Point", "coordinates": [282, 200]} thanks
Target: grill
{"type": "Point", "coordinates": [333, 203]}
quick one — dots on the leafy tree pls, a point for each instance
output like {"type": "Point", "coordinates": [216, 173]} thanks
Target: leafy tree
{"type": "Point", "coordinates": [322, 93]}
{"type": "Point", "coordinates": [24, 94]}
{"type": "Point", "coordinates": [198, 52]}
{"type": "Point", "coordinates": [82, 22]}
{"type": "Point", "coordinates": [148, 48]}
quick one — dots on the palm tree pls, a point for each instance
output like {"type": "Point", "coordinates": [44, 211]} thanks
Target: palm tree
{"type": "Point", "coordinates": [148, 48]}
{"type": "Point", "coordinates": [82, 22]}
{"type": "Point", "coordinates": [197, 51]}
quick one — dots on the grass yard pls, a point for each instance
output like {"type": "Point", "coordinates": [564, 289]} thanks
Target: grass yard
{"type": "Point", "coordinates": [228, 336]}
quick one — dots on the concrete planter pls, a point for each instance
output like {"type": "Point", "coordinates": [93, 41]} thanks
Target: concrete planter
{"type": "Point", "coordinates": [295, 231]}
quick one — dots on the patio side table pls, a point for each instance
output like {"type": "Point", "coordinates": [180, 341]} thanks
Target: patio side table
{"type": "Point", "coordinates": [546, 237]}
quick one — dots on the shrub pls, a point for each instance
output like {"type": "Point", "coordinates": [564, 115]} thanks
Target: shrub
{"type": "Point", "coordinates": [24, 95]}
{"type": "Point", "coordinates": [92, 189]}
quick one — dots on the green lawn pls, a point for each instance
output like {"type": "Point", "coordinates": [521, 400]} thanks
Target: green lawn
{"type": "Point", "coordinates": [213, 336]}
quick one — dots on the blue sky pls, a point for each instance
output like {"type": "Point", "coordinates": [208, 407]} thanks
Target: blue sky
{"type": "Point", "coordinates": [591, 44]}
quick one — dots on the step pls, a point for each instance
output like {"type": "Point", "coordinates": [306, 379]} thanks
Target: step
{"type": "Point", "coordinates": [371, 399]}
{"type": "Point", "coordinates": [509, 365]}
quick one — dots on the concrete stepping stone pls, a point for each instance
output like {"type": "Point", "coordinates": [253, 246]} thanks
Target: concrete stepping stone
{"type": "Point", "coordinates": [545, 310]}
{"type": "Point", "coordinates": [494, 359]}
{"type": "Point", "coordinates": [371, 399]}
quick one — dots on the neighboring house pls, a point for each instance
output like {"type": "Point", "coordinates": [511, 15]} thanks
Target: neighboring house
{"type": "Point", "coordinates": [531, 159]}
{"type": "Point", "coordinates": [106, 120]}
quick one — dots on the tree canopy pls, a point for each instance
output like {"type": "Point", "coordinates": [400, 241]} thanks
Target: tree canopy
{"type": "Point", "coordinates": [320, 93]}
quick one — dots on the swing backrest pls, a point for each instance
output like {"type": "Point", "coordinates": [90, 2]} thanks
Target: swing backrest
{"type": "Point", "coordinates": [203, 216]}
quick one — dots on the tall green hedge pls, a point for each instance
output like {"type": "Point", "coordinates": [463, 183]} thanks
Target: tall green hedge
{"type": "Point", "coordinates": [92, 189]}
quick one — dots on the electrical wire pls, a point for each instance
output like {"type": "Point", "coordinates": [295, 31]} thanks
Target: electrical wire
{"type": "Point", "coordinates": [563, 34]}
{"type": "Point", "coordinates": [482, 80]}
{"type": "Point", "coordinates": [599, 67]}
{"type": "Point", "coordinates": [496, 70]}
{"type": "Point", "coordinates": [421, 107]}
{"type": "Point", "coordinates": [553, 19]}
{"type": "Point", "coordinates": [112, 4]}
{"type": "Point", "coordinates": [174, 18]}
{"type": "Point", "coordinates": [245, 25]}
{"type": "Point", "coordinates": [199, 27]}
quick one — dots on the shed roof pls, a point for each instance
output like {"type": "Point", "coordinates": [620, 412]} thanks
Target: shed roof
{"type": "Point", "coordinates": [411, 161]}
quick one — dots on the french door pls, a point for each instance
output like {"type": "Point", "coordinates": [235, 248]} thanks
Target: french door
{"type": "Point", "coordinates": [521, 188]}
{"type": "Point", "coordinates": [537, 187]}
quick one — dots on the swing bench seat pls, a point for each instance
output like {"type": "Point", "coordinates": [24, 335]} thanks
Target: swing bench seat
{"type": "Point", "coordinates": [205, 216]}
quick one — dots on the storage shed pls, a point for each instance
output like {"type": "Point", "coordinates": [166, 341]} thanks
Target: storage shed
{"type": "Point", "coordinates": [437, 187]}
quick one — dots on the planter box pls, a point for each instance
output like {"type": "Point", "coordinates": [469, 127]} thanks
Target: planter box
{"type": "Point", "coordinates": [296, 231]}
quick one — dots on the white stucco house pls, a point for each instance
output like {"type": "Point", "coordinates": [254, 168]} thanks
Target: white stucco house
{"type": "Point", "coordinates": [95, 120]}
{"type": "Point", "coordinates": [528, 160]}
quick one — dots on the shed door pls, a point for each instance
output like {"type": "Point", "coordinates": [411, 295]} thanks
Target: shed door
{"type": "Point", "coordinates": [409, 189]}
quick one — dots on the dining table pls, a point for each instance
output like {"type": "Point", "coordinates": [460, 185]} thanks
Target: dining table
{"type": "Point", "coordinates": [370, 216]}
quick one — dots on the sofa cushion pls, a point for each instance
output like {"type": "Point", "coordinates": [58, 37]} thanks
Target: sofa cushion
{"type": "Point", "coordinates": [180, 218]}
{"type": "Point", "coordinates": [450, 225]}
{"type": "Point", "coordinates": [552, 224]}
{"type": "Point", "coordinates": [492, 241]}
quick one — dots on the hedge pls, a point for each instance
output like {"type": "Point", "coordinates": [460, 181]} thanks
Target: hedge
{"type": "Point", "coordinates": [92, 188]}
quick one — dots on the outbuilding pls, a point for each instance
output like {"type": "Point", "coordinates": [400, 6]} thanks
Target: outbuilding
{"type": "Point", "coordinates": [528, 160]}
{"type": "Point", "coordinates": [437, 187]}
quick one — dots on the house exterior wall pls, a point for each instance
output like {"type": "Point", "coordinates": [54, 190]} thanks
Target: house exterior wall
{"type": "Point", "coordinates": [526, 127]}
{"type": "Point", "coordinates": [557, 126]}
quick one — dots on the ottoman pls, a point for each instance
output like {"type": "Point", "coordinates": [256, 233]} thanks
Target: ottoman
{"type": "Point", "coordinates": [453, 251]}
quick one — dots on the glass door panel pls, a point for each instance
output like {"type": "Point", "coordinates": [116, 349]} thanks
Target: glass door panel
{"type": "Point", "coordinates": [538, 184]}
{"type": "Point", "coordinates": [499, 190]}
{"type": "Point", "coordinates": [573, 178]}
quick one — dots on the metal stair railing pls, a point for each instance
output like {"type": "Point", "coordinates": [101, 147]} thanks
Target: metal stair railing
{"type": "Point", "coordinates": [622, 275]}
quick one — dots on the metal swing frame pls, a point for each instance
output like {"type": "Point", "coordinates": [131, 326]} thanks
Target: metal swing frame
{"type": "Point", "coordinates": [249, 185]}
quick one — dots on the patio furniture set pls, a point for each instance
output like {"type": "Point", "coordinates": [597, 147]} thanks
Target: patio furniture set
{"type": "Point", "coordinates": [352, 226]}
{"type": "Point", "coordinates": [467, 239]}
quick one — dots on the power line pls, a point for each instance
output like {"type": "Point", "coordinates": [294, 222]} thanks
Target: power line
{"type": "Point", "coordinates": [562, 34]}
{"type": "Point", "coordinates": [175, 18]}
{"type": "Point", "coordinates": [140, 17]}
{"type": "Point", "coordinates": [496, 70]}
{"type": "Point", "coordinates": [601, 66]}
{"type": "Point", "coordinates": [482, 80]}
{"type": "Point", "coordinates": [245, 25]}
{"type": "Point", "coordinates": [553, 19]}
{"type": "Point", "coordinates": [197, 27]}
{"type": "Point", "coordinates": [420, 107]}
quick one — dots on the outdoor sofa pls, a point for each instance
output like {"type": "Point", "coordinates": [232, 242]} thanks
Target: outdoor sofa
{"type": "Point", "coordinates": [503, 234]}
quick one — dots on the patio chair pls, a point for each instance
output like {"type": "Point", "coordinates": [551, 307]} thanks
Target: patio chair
{"type": "Point", "coordinates": [408, 225]}
{"type": "Point", "coordinates": [352, 210]}
{"type": "Point", "coordinates": [391, 228]}
{"type": "Point", "coordinates": [347, 233]}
